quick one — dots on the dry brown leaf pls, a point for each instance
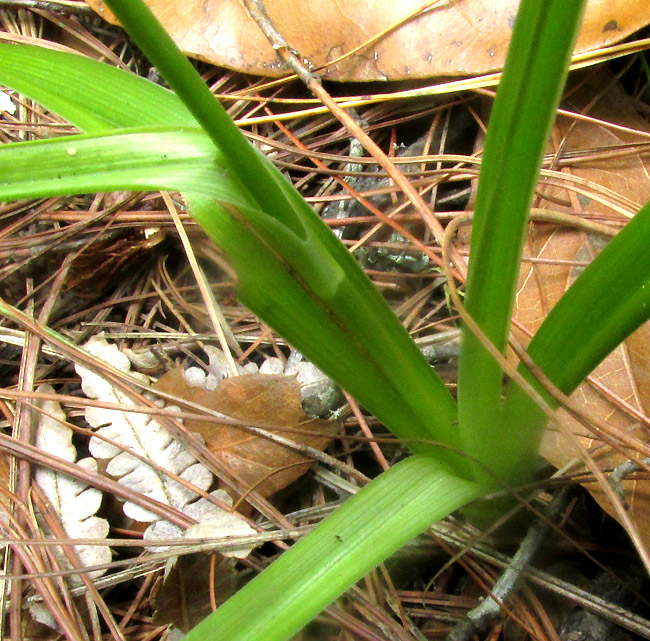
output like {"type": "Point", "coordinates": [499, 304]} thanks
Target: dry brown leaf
{"type": "Point", "coordinates": [624, 373]}
{"type": "Point", "coordinates": [452, 38]}
{"type": "Point", "coordinates": [262, 400]}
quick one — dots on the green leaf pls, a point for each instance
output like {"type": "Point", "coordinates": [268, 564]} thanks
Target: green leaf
{"type": "Point", "coordinates": [367, 529]}
{"type": "Point", "coordinates": [607, 302]}
{"type": "Point", "coordinates": [137, 159]}
{"type": "Point", "coordinates": [525, 105]}
{"type": "Point", "coordinates": [91, 95]}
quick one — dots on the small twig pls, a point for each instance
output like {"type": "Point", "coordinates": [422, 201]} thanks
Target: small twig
{"type": "Point", "coordinates": [178, 548]}
{"type": "Point", "coordinates": [622, 617]}
{"type": "Point", "coordinates": [477, 620]}
{"type": "Point", "coordinates": [363, 424]}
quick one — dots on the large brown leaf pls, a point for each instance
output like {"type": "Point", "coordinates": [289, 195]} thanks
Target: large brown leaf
{"type": "Point", "coordinates": [624, 374]}
{"type": "Point", "coordinates": [271, 401]}
{"type": "Point", "coordinates": [461, 37]}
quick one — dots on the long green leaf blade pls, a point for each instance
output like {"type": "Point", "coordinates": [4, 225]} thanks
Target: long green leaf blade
{"type": "Point", "coordinates": [607, 302]}
{"type": "Point", "coordinates": [142, 159]}
{"type": "Point", "coordinates": [615, 289]}
{"type": "Point", "coordinates": [94, 96]}
{"type": "Point", "coordinates": [367, 529]}
{"type": "Point", "coordinates": [519, 127]}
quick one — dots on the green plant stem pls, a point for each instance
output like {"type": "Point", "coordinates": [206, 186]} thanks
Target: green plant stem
{"type": "Point", "coordinates": [412, 402]}
{"type": "Point", "coordinates": [292, 272]}
{"type": "Point", "coordinates": [418, 407]}
{"type": "Point", "coordinates": [519, 127]}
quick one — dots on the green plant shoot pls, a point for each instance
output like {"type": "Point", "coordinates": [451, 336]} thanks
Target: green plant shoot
{"type": "Point", "coordinates": [300, 280]}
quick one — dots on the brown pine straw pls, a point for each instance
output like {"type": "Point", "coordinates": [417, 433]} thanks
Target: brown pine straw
{"type": "Point", "coordinates": [286, 53]}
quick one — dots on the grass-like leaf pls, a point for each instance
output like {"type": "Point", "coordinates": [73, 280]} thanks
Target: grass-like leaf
{"type": "Point", "coordinates": [368, 528]}
{"type": "Point", "coordinates": [137, 159]}
{"type": "Point", "coordinates": [608, 301]}
{"type": "Point", "coordinates": [94, 96]}
{"type": "Point", "coordinates": [519, 127]}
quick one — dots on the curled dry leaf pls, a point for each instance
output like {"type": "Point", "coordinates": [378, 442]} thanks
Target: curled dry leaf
{"type": "Point", "coordinates": [268, 401]}
{"type": "Point", "coordinates": [74, 502]}
{"type": "Point", "coordinates": [134, 433]}
{"type": "Point", "coordinates": [140, 434]}
{"type": "Point", "coordinates": [625, 373]}
{"type": "Point", "coordinates": [450, 38]}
